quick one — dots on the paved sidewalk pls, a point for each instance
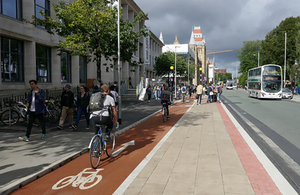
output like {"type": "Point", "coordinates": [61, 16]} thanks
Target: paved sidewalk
{"type": "Point", "coordinates": [203, 154]}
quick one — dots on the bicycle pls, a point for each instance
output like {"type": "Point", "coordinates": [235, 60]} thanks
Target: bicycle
{"type": "Point", "coordinates": [164, 111]}
{"type": "Point", "coordinates": [16, 111]}
{"type": "Point", "coordinates": [98, 144]}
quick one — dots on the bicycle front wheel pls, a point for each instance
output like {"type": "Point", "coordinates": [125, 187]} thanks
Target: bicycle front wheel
{"type": "Point", "coordinates": [10, 117]}
{"type": "Point", "coordinates": [110, 144]}
{"type": "Point", "coordinates": [95, 151]}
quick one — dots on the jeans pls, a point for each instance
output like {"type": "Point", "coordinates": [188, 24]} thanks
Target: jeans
{"type": "Point", "coordinates": [81, 110]}
{"type": "Point", "coordinates": [32, 117]}
{"type": "Point", "coordinates": [199, 99]}
{"type": "Point", "coordinates": [219, 95]}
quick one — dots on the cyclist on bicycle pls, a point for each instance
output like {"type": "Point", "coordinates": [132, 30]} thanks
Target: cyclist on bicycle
{"type": "Point", "coordinates": [106, 117]}
{"type": "Point", "coordinates": [165, 97]}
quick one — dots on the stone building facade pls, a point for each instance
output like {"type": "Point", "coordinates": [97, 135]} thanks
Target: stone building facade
{"type": "Point", "coordinates": [28, 52]}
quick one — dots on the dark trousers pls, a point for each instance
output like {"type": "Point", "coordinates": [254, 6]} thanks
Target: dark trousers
{"type": "Point", "coordinates": [32, 116]}
{"type": "Point", "coordinates": [105, 120]}
{"type": "Point", "coordinates": [149, 96]}
{"type": "Point", "coordinates": [80, 110]}
{"type": "Point", "coordinates": [167, 107]}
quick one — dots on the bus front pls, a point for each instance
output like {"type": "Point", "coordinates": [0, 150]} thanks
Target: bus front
{"type": "Point", "coordinates": [271, 87]}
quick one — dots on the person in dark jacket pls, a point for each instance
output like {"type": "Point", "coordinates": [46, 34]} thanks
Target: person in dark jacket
{"type": "Point", "coordinates": [83, 99]}
{"type": "Point", "coordinates": [66, 102]}
{"type": "Point", "coordinates": [36, 109]}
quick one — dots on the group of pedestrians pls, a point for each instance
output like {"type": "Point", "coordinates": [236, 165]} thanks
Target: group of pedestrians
{"type": "Point", "coordinates": [211, 92]}
{"type": "Point", "coordinates": [37, 108]}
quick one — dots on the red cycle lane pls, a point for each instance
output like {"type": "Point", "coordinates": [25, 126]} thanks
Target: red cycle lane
{"type": "Point", "coordinates": [111, 171]}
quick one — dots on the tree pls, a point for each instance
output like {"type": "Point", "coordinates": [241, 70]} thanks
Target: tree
{"type": "Point", "coordinates": [274, 45]}
{"type": "Point", "coordinates": [89, 28]}
{"type": "Point", "coordinates": [248, 58]}
{"type": "Point", "coordinates": [167, 59]}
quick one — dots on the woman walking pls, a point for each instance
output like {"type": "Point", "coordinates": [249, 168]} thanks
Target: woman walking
{"type": "Point", "coordinates": [83, 99]}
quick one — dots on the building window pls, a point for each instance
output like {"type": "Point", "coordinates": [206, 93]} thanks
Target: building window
{"type": "Point", "coordinates": [82, 69]}
{"type": "Point", "coordinates": [11, 8]}
{"type": "Point", "coordinates": [12, 60]}
{"type": "Point", "coordinates": [42, 5]}
{"type": "Point", "coordinates": [43, 63]}
{"type": "Point", "coordinates": [65, 67]}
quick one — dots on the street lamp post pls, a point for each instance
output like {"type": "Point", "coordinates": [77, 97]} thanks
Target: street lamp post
{"type": "Point", "coordinates": [119, 68]}
{"type": "Point", "coordinates": [189, 69]}
{"type": "Point", "coordinates": [284, 57]}
{"type": "Point", "coordinates": [175, 72]}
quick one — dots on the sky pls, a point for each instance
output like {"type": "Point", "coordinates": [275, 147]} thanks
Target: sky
{"type": "Point", "coordinates": [225, 24]}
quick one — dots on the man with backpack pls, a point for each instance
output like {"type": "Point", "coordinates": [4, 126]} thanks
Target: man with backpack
{"type": "Point", "coordinates": [183, 91]}
{"type": "Point", "coordinates": [103, 110]}
{"type": "Point", "coordinates": [165, 97]}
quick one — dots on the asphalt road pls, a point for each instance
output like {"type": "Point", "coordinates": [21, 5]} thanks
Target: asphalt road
{"type": "Point", "coordinates": [274, 126]}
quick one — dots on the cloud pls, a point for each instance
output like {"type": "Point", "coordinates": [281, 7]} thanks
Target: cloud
{"type": "Point", "coordinates": [225, 24]}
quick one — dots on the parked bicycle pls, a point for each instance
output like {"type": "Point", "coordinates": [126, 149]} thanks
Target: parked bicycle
{"type": "Point", "coordinates": [17, 112]}
{"type": "Point", "coordinates": [99, 144]}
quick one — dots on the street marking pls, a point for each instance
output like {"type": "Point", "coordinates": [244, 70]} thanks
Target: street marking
{"type": "Point", "coordinates": [83, 182]}
{"type": "Point", "coordinates": [124, 146]}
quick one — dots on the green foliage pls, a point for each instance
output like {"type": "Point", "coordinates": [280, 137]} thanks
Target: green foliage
{"type": "Point", "coordinates": [90, 29]}
{"type": "Point", "coordinates": [166, 60]}
{"type": "Point", "coordinates": [274, 44]}
{"type": "Point", "coordinates": [223, 77]}
{"type": "Point", "coordinates": [248, 57]}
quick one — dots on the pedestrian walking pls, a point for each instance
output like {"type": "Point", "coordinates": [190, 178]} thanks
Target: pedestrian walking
{"type": "Point", "coordinates": [210, 93]}
{"type": "Point", "coordinates": [83, 99]}
{"type": "Point", "coordinates": [129, 81]}
{"type": "Point", "coordinates": [36, 109]}
{"type": "Point", "coordinates": [183, 91]}
{"type": "Point", "coordinates": [67, 100]}
{"type": "Point", "coordinates": [149, 92]}
{"type": "Point", "coordinates": [220, 91]}
{"type": "Point", "coordinates": [115, 95]}
{"type": "Point", "coordinates": [199, 93]}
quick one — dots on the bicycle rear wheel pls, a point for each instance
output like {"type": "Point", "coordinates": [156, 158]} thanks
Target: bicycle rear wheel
{"type": "Point", "coordinates": [95, 151]}
{"type": "Point", "coordinates": [110, 144]}
{"type": "Point", "coordinates": [164, 114]}
{"type": "Point", "coordinates": [10, 117]}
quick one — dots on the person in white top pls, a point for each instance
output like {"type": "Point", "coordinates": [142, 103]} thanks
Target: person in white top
{"type": "Point", "coordinates": [105, 118]}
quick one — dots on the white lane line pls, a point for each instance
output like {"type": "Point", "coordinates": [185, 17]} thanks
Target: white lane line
{"type": "Point", "coordinates": [283, 185]}
{"type": "Point", "coordinates": [122, 188]}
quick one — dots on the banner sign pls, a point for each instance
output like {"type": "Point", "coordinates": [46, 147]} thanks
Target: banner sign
{"type": "Point", "coordinates": [147, 48]}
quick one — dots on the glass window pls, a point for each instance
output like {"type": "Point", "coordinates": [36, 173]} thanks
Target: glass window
{"type": "Point", "coordinates": [43, 63]}
{"type": "Point", "coordinates": [42, 5]}
{"type": "Point", "coordinates": [82, 70]}
{"type": "Point", "coordinates": [11, 8]}
{"type": "Point", "coordinates": [12, 67]}
{"type": "Point", "coordinates": [65, 67]}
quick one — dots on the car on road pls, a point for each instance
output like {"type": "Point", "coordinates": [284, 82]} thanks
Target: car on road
{"type": "Point", "coordinates": [287, 94]}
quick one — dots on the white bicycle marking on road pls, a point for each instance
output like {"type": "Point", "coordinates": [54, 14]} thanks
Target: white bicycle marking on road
{"type": "Point", "coordinates": [79, 180]}
{"type": "Point", "coordinates": [124, 146]}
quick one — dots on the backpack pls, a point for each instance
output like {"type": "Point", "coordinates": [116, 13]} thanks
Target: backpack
{"type": "Point", "coordinates": [166, 96]}
{"type": "Point", "coordinates": [183, 89]}
{"type": "Point", "coordinates": [96, 101]}
{"type": "Point", "coordinates": [97, 104]}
